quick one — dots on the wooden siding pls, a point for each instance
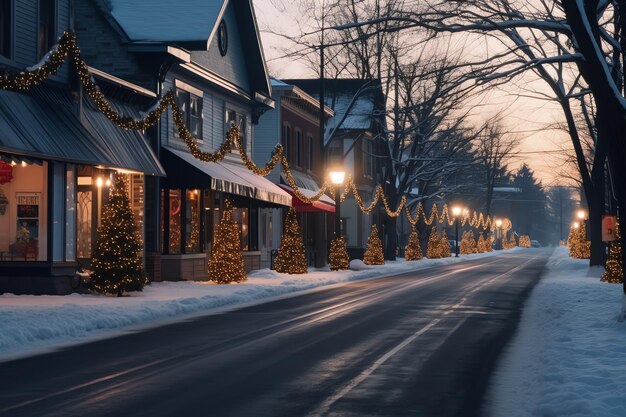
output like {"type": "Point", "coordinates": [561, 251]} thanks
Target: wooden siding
{"type": "Point", "coordinates": [25, 32]}
{"type": "Point", "coordinates": [233, 66]}
{"type": "Point", "coordinates": [266, 135]}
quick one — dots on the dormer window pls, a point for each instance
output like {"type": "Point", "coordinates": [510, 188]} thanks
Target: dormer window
{"type": "Point", "coordinates": [222, 38]}
{"type": "Point", "coordinates": [46, 27]}
{"type": "Point", "coordinates": [5, 28]}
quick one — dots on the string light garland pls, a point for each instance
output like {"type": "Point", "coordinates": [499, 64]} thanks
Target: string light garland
{"type": "Point", "coordinates": [67, 45]}
{"type": "Point", "coordinates": [374, 251]}
{"type": "Point", "coordinates": [291, 258]}
{"type": "Point", "coordinates": [413, 250]}
{"type": "Point", "coordinates": [226, 261]}
{"type": "Point", "coordinates": [338, 256]}
{"type": "Point", "coordinates": [613, 269]}
{"type": "Point", "coordinates": [117, 264]}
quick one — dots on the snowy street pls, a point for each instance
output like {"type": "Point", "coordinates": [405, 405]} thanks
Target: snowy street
{"type": "Point", "coordinates": [389, 346]}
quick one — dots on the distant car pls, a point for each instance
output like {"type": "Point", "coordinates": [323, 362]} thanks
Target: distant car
{"type": "Point", "coordinates": [535, 244]}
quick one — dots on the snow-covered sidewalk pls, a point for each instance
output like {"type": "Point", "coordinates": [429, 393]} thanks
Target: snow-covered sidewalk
{"type": "Point", "coordinates": [569, 355]}
{"type": "Point", "coordinates": [33, 324]}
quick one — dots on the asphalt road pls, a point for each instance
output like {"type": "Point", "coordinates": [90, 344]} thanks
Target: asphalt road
{"type": "Point", "coordinates": [417, 344]}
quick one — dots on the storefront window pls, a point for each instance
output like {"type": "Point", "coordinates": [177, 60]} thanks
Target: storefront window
{"type": "Point", "coordinates": [175, 221]}
{"type": "Point", "coordinates": [70, 216]}
{"type": "Point", "coordinates": [84, 222]}
{"type": "Point", "coordinates": [23, 214]}
{"type": "Point", "coordinates": [192, 220]}
{"type": "Point", "coordinates": [58, 210]}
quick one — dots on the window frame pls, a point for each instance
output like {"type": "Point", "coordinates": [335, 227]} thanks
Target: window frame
{"type": "Point", "coordinates": [49, 38]}
{"type": "Point", "coordinates": [285, 140]}
{"type": "Point", "coordinates": [298, 156]}
{"type": "Point", "coordinates": [7, 20]}
{"type": "Point", "coordinates": [309, 147]}
{"type": "Point", "coordinates": [184, 98]}
{"type": "Point", "coordinates": [241, 119]}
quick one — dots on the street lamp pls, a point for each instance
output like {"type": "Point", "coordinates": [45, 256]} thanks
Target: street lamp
{"type": "Point", "coordinates": [456, 212]}
{"type": "Point", "coordinates": [499, 233]}
{"type": "Point", "coordinates": [337, 177]}
{"type": "Point", "coordinates": [581, 214]}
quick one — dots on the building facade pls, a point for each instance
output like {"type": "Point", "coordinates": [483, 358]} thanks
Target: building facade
{"type": "Point", "coordinates": [57, 156]}
{"type": "Point", "coordinates": [294, 123]}
{"type": "Point", "coordinates": [211, 58]}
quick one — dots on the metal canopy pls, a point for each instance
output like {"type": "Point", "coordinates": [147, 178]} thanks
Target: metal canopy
{"type": "Point", "coordinates": [45, 123]}
{"type": "Point", "coordinates": [185, 171]}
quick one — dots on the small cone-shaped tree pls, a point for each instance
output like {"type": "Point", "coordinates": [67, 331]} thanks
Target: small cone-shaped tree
{"type": "Point", "coordinates": [524, 241]}
{"type": "Point", "coordinates": [226, 262]}
{"type": "Point", "coordinates": [489, 244]}
{"type": "Point", "coordinates": [374, 251]}
{"type": "Point", "coordinates": [413, 251]}
{"type": "Point", "coordinates": [444, 245]}
{"type": "Point", "coordinates": [512, 241]}
{"type": "Point", "coordinates": [472, 242]}
{"type": "Point", "coordinates": [291, 258]}
{"type": "Point", "coordinates": [338, 257]}
{"type": "Point", "coordinates": [466, 246]}
{"type": "Point", "coordinates": [570, 237]}
{"type": "Point", "coordinates": [117, 264]}
{"type": "Point", "coordinates": [580, 247]}
{"type": "Point", "coordinates": [433, 250]}
{"type": "Point", "coordinates": [613, 268]}
{"type": "Point", "coordinates": [481, 246]}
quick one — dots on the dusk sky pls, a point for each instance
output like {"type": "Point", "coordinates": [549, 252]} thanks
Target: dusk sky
{"type": "Point", "coordinates": [528, 118]}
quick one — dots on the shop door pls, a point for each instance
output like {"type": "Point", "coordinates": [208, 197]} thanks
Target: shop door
{"type": "Point", "coordinates": [85, 229]}
{"type": "Point", "coordinates": [266, 241]}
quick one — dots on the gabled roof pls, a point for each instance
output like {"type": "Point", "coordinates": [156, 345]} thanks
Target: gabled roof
{"type": "Point", "coordinates": [295, 91]}
{"type": "Point", "coordinates": [354, 101]}
{"type": "Point", "coordinates": [166, 20]}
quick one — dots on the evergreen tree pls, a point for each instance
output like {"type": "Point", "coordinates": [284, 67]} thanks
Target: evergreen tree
{"type": "Point", "coordinates": [472, 242]}
{"type": "Point", "coordinates": [374, 251]}
{"type": "Point", "coordinates": [117, 265]}
{"type": "Point", "coordinates": [444, 245]}
{"type": "Point", "coordinates": [338, 257]}
{"type": "Point", "coordinates": [226, 261]}
{"type": "Point", "coordinates": [481, 246]}
{"type": "Point", "coordinates": [413, 251]}
{"type": "Point", "coordinates": [580, 247]}
{"type": "Point", "coordinates": [291, 258]}
{"type": "Point", "coordinates": [466, 246]}
{"type": "Point", "coordinates": [433, 250]}
{"type": "Point", "coordinates": [613, 268]}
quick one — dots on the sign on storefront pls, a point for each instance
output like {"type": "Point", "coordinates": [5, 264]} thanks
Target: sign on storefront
{"type": "Point", "coordinates": [609, 223]}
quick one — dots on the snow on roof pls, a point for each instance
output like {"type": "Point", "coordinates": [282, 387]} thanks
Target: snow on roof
{"type": "Point", "coordinates": [166, 20]}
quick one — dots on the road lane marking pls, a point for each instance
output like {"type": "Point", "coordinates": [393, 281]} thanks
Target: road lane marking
{"type": "Point", "coordinates": [324, 407]}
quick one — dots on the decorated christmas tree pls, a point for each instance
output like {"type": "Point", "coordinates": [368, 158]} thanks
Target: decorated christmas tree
{"type": "Point", "coordinates": [117, 265]}
{"type": "Point", "coordinates": [472, 242]}
{"type": "Point", "coordinates": [482, 245]}
{"type": "Point", "coordinates": [291, 258]}
{"type": "Point", "coordinates": [512, 241]}
{"type": "Point", "coordinates": [613, 268]}
{"type": "Point", "coordinates": [226, 262]}
{"type": "Point", "coordinates": [374, 251]}
{"type": "Point", "coordinates": [570, 237]}
{"type": "Point", "coordinates": [580, 247]}
{"type": "Point", "coordinates": [413, 251]}
{"type": "Point", "coordinates": [433, 250]}
{"type": "Point", "coordinates": [524, 241]}
{"type": "Point", "coordinates": [338, 257]}
{"type": "Point", "coordinates": [444, 245]}
{"type": "Point", "coordinates": [466, 246]}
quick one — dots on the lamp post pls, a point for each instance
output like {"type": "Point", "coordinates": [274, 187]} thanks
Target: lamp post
{"type": "Point", "coordinates": [336, 178]}
{"type": "Point", "coordinates": [456, 212]}
{"type": "Point", "coordinates": [499, 233]}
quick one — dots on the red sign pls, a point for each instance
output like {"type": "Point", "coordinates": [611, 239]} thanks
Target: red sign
{"type": "Point", "coordinates": [6, 172]}
{"type": "Point", "coordinates": [609, 223]}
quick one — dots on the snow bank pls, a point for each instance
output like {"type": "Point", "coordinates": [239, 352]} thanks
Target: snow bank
{"type": "Point", "coordinates": [569, 356]}
{"type": "Point", "coordinates": [33, 324]}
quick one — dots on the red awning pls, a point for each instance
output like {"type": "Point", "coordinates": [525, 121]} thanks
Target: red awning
{"type": "Point", "coordinates": [324, 204]}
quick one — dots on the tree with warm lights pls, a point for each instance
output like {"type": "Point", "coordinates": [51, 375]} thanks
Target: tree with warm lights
{"type": "Point", "coordinates": [117, 264]}
{"type": "Point", "coordinates": [482, 245]}
{"type": "Point", "coordinates": [580, 247]}
{"type": "Point", "coordinates": [466, 245]}
{"type": "Point", "coordinates": [291, 257]}
{"type": "Point", "coordinates": [338, 257]}
{"type": "Point", "coordinates": [374, 251]}
{"type": "Point", "coordinates": [226, 261]}
{"type": "Point", "coordinates": [433, 250]}
{"type": "Point", "coordinates": [413, 251]}
{"type": "Point", "coordinates": [512, 241]}
{"type": "Point", "coordinates": [524, 241]}
{"type": "Point", "coordinates": [444, 245]}
{"type": "Point", "coordinates": [613, 271]}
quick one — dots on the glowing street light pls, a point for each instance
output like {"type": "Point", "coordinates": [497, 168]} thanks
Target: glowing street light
{"type": "Point", "coordinates": [576, 225]}
{"type": "Point", "coordinates": [499, 233]}
{"type": "Point", "coordinates": [581, 214]}
{"type": "Point", "coordinates": [337, 177]}
{"type": "Point", "coordinates": [456, 212]}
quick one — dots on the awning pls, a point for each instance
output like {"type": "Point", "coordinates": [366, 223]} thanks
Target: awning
{"type": "Point", "coordinates": [325, 203]}
{"type": "Point", "coordinates": [44, 123]}
{"type": "Point", "coordinates": [185, 171]}
{"type": "Point", "coordinates": [309, 187]}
